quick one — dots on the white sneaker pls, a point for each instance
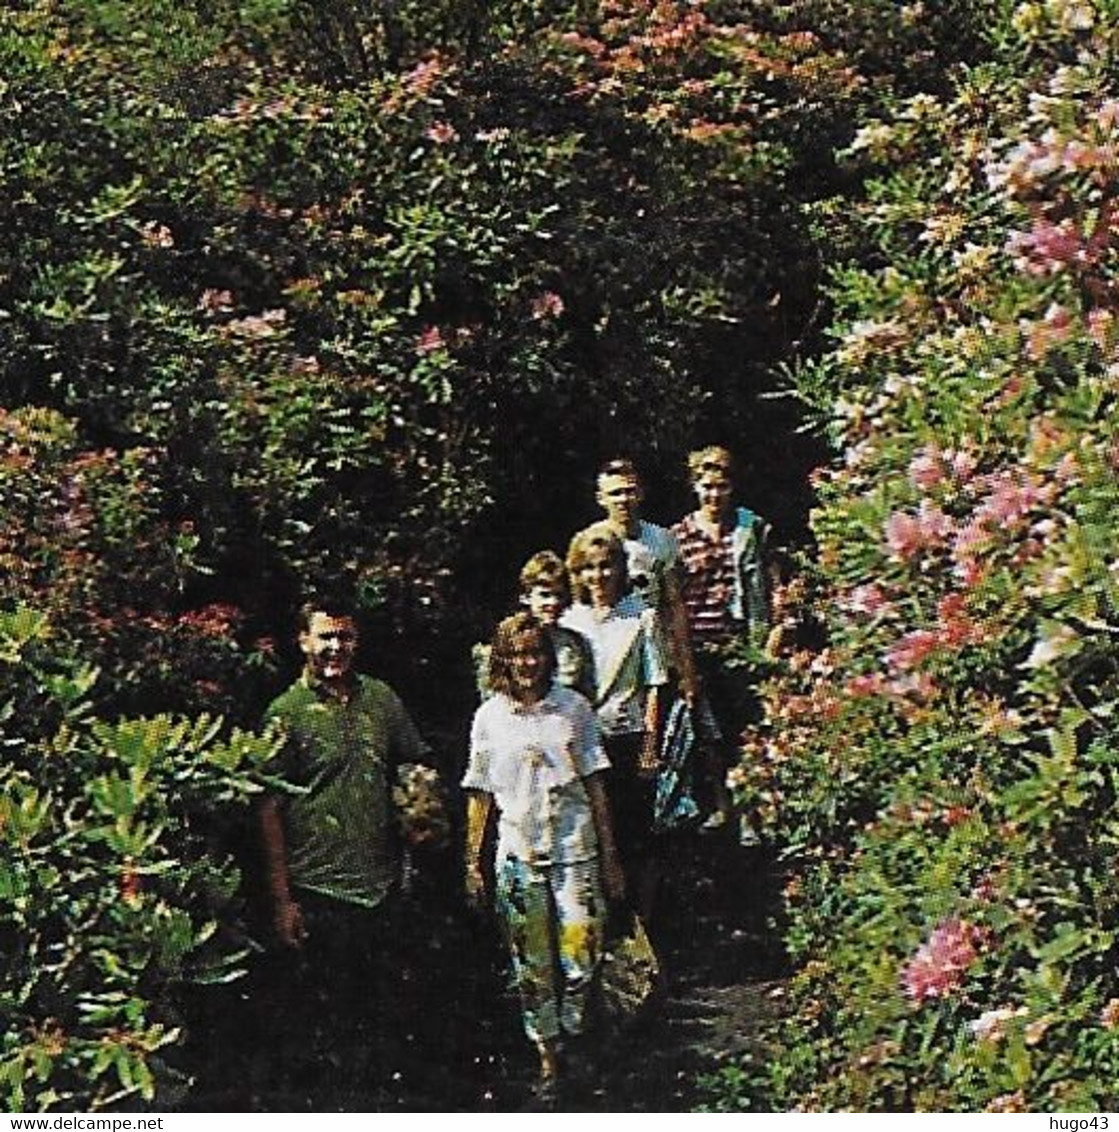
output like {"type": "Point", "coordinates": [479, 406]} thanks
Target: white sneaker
{"type": "Point", "coordinates": [747, 835]}
{"type": "Point", "coordinates": [716, 821]}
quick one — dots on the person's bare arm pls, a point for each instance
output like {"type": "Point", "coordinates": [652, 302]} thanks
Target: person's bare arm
{"type": "Point", "coordinates": [613, 879]}
{"type": "Point", "coordinates": [479, 807]}
{"type": "Point", "coordinates": [287, 916]}
{"type": "Point", "coordinates": [650, 744]}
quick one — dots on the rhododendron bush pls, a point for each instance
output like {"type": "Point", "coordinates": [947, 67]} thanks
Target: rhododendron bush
{"type": "Point", "coordinates": [112, 898]}
{"type": "Point", "coordinates": [942, 775]}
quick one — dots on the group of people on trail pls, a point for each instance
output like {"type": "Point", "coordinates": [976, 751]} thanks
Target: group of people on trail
{"type": "Point", "coordinates": [613, 669]}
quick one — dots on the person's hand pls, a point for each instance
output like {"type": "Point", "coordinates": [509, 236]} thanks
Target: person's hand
{"type": "Point", "coordinates": [290, 928]}
{"type": "Point", "coordinates": [475, 885]}
{"type": "Point", "coordinates": [647, 758]}
{"type": "Point", "coordinates": [613, 878]}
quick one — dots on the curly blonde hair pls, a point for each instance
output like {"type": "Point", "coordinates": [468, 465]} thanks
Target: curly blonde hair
{"type": "Point", "coordinates": [598, 536]}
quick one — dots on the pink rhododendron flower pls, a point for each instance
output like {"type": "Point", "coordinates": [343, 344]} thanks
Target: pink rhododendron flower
{"type": "Point", "coordinates": [940, 964]}
{"type": "Point", "coordinates": [1011, 499]}
{"type": "Point", "coordinates": [909, 652]}
{"type": "Point", "coordinates": [987, 887]}
{"type": "Point", "coordinates": [215, 620]}
{"type": "Point", "coordinates": [1109, 1015]}
{"type": "Point", "coordinates": [955, 815]}
{"type": "Point", "coordinates": [926, 469]}
{"type": "Point", "coordinates": [1067, 470]}
{"type": "Point", "coordinates": [904, 535]}
{"type": "Point", "coordinates": [305, 363]}
{"type": "Point", "coordinates": [593, 47]}
{"type": "Point", "coordinates": [423, 76]}
{"type": "Point", "coordinates": [1101, 324]}
{"type": "Point", "coordinates": [547, 305]}
{"type": "Point", "coordinates": [1048, 248]}
{"type": "Point", "coordinates": [956, 627]}
{"type": "Point", "coordinates": [970, 540]}
{"type": "Point", "coordinates": [214, 301]}
{"type": "Point", "coordinates": [932, 465]}
{"type": "Point", "coordinates": [866, 685]}
{"type": "Point", "coordinates": [936, 526]}
{"type": "Point", "coordinates": [868, 598]}
{"type": "Point", "coordinates": [156, 235]}
{"type": "Point", "coordinates": [442, 133]}
{"type": "Point", "coordinates": [430, 340]}
{"type": "Point", "coordinates": [960, 463]}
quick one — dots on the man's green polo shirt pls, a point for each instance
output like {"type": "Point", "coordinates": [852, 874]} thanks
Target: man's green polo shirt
{"type": "Point", "coordinates": [340, 836]}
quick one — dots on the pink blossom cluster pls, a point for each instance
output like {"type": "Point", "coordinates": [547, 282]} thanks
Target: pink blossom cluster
{"type": "Point", "coordinates": [1011, 496]}
{"type": "Point", "coordinates": [430, 340]}
{"type": "Point", "coordinates": [940, 964]}
{"type": "Point", "coordinates": [434, 338]}
{"type": "Point", "coordinates": [215, 620]}
{"type": "Point", "coordinates": [908, 533]}
{"type": "Point", "coordinates": [1109, 1015]}
{"type": "Point", "coordinates": [1048, 247]}
{"type": "Point", "coordinates": [253, 326]}
{"type": "Point", "coordinates": [441, 133]}
{"type": "Point", "coordinates": [593, 47]}
{"type": "Point", "coordinates": [247, 109]}
{"type": "Point", "coordinates": [214, 301]}
{"type": "Point", "coordinates": [954, 629]}
{"type": "Point", "coordinates": [547, 305]}
{"type": "Point", "coordinates": [423, 76]}
{"type": "Point", "coordinates": [911, 650]}
{"type": "Point", "coordinates": [933, 465]}
{"type": "Point", "coordinates": [156, 235]}
{"type": "Point", "coordinates": [868, 599]}
{"type": "Point", "coordinates": [866, 685]}
{"type": "Point", "coordinates": [1033, 161]}
{"type": "Point", "coordinates": [672, 35]}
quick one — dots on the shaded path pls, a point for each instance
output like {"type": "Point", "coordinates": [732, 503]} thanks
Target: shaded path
{"type": "Point", "coordinates": [467, 1053]}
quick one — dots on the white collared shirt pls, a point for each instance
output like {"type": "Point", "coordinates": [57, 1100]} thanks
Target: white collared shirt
{"type": "Point", "coordinates": [532, 758]}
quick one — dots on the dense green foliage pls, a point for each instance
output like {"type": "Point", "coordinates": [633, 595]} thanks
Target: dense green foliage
{"type": "Point", "coordinates": [344, 282]}
{"type": "Point", "coordinates": [943, 775]}
{"type": "Point", "coordinates": [111, 898]}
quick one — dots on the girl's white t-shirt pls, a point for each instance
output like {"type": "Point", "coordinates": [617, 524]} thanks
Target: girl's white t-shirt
{"type": "Point", "coordinates": [532, 758]}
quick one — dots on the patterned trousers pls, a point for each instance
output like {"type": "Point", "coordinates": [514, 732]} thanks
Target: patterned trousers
{"type": "Point", "coordinates": [554, 918]}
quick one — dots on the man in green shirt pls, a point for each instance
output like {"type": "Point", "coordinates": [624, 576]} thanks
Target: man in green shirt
{"type": "Point", "coordinates": [331, 848]}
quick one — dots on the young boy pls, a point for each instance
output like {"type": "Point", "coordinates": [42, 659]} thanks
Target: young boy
{"type": "Point", "coordinates": [546, 592]}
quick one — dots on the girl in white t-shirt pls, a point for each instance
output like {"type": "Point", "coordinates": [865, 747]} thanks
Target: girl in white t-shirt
{"type": "Point", "coordinates": [536, 757]}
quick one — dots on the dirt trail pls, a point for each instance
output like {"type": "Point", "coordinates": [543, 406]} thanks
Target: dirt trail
{"type": "Point", "coordinates": [464, 1051]}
